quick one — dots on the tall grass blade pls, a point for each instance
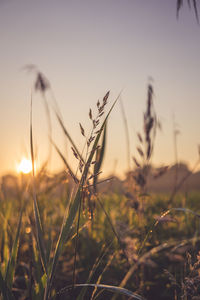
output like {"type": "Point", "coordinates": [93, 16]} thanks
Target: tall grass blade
{"type": "Point", "coordinates": [5, 249]}
{"type": "Point", "coordinates": [76, 243]}
{"type": "Point", "coordinates": [68, 135]}
{"type": "Point", "coordinates": [99, 159]}
{"type": "Point", "coordinates": [64, 160]}
{"type": "Point", "coordinates": [10, 270]}
{"type": "Point", "coordinates": [39, 233]}
{"type": "Point", "coordinates": [38, 288]}
{"type": "Point", "coordinates": [67, 224]}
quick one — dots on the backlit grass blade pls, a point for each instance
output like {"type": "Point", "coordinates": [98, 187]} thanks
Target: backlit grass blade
{"type": "Point", "coordinates": [5, 240]}
{"type": "Point", "coordinates": [39, 275]}
{"type": "Point", "coordinates": [150, 253]}
{"type": "Point", "coordinates": [68, 135]}
{"type": "Point", "coordinates": [185, 210]}
{"type": "Point", "coordinates": [110, 288]}
{"type": "Point", "coordinates": [10, 270]}
{"type": "Point", "coordinates": [99, 159]}
{"type": "Point", "coordinates": [65, 161]}
{"type": "Point", "coordinates": [64, 234]}
{"type": "Point", "coordinates": [39, 233]}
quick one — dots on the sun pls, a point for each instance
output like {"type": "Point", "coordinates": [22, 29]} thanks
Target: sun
{"type": "Point", "coordinates": [25, 166]}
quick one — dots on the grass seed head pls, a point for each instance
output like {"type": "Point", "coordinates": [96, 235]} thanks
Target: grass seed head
{"type": "Point", "coordinates": [90, 114]}
{"type": "Point", "coordinates": [75, 153]}
{"type": "Point", "coordinates": [82, 130]}
{"type": "Point", "coordinates": [41, 83]}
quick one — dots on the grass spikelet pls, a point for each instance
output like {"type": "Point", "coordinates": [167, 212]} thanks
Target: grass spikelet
{"type": "Point", "coordinates": [41, 84]}
{"type": "Point", "coordinates": [136, 162]}
{"type": "Point", "coordinates": [140, 137]}
{"type": "Point", "coordinates": [82, 130]}
{"type": "Point", "coordinates": [90, 114]}
{"type": "Point", "coordinates": [140, 151]}
{"type": "Point", "coordinates": [74, 152]}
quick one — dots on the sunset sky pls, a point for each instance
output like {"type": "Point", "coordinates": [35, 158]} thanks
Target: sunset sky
{"type": "Point", "coordinates": [85, 48]}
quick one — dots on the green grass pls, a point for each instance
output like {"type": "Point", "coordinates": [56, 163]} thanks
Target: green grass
{"type": "Point", "coordinates": [62, 238]}
{"type": "Point", "coordinates": [97, 241]}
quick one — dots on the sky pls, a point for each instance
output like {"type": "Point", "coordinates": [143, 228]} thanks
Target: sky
{"type": "Point", "coordinates": [85, 48]}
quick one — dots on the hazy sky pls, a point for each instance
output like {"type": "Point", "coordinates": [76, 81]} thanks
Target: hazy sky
{"type": "Point", "coordinates": [86, 48]}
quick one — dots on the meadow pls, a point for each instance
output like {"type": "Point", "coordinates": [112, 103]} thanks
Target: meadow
{"type": "Point", "coordinates": [74, 235]}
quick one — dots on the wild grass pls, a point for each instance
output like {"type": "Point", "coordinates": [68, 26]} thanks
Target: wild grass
{"type": "Point", "coordinates": [67, 237]}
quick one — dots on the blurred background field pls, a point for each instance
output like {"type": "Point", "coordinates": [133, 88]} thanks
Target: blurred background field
{"type": "Point", "coordinates": [169, 273]}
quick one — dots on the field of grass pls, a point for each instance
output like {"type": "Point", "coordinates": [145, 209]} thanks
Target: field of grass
{"type": "Point", "coordinates": [63, 237]}
{"type": "Point", "coordinates": [153, 256]}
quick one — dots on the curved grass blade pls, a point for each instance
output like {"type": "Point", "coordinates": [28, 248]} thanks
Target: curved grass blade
{"type": "Point", "coordinates": [99, 159]}
{"type": "Point", "coordinates": [68, 135]}
{"type": "Point", "coordinates": [152, 252]}
{"type": "Point", "coordinates": [185, 210]}
{"type": "Point", "coordinates": [110, 288]}
{"type": "Point", "coordinates": [67, 224]}
{"type": "Point", "coordinates": [10, 270]}
{"type": "Point", "coordinates": [65, 162]}
{"type": "Point", "coordinates": [40, 238]}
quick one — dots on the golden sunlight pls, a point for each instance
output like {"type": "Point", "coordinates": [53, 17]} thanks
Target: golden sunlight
{"type": "Point", "coordinates": [25, 166]}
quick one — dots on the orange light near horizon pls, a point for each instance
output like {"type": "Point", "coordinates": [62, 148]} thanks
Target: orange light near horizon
{"type": "Point", "coordinates": [25, 166]}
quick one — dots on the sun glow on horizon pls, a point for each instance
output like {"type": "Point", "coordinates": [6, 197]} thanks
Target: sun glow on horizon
{"type": "Point", "coordinates": [25, 166]}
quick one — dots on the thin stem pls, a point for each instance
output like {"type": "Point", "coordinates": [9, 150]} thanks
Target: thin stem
{"type": "Point", "coordinates": [76, 245]}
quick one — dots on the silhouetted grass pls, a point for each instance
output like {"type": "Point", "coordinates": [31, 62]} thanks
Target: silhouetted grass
{"type": "Point", "coordinates": [75, 240]}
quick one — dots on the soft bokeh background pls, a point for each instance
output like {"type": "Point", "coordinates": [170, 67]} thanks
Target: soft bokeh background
{"type": "Point", "coordinates": [86, 47]}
